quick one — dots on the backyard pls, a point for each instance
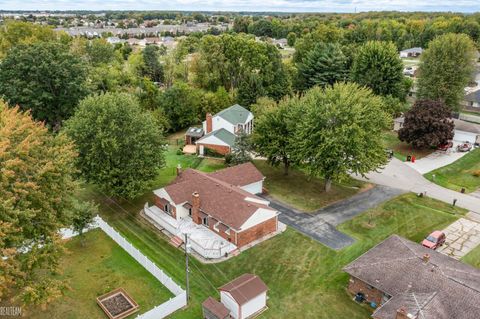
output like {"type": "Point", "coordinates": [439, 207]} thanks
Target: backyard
{"type": "Point", "coordinates": [464, 172]}
{"type": "Point", "coordinates": [304, 277]}
{"type": "Point", "coordinates": [95, 269]}
{"type": "Point", "coordinates": [473, 257]}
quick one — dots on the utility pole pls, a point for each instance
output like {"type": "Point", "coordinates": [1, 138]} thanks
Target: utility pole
{"type": "Point", "coordinates": [187, 270]}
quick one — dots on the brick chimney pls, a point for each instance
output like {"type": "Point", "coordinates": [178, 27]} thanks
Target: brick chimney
{"type": "Point", "coordinates": [209, 123]}
{"type": "Point", "coordinates": [196, 208]}
{"type": "Point", "coordinates": [402, 313]}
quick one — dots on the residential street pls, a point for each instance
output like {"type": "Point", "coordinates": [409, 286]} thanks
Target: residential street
{"type": "Point", "coordinates": [320, 225]}
{"type": "Point", "coordinates": [399, 175]}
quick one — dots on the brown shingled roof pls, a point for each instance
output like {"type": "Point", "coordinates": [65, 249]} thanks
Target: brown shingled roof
{"type": "Point", "coordinates": [218, 199]}
{"type": "Point", "coordinates": [441, 288]}
{"type": "Point", "coordinates": [216, 308]}
{"type": "Point", "coordinates": [245, 288]}
{"type": "Point", "coordinates": [239, 175]}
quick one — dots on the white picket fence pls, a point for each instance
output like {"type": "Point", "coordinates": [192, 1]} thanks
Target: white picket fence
{"type": "Point", "coordinates": [166, 308]}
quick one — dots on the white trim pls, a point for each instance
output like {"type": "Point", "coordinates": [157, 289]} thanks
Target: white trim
{"type": "Point", "coordinates": [211, 140]}
{"type": "Point", "coordinates": [260, 216]}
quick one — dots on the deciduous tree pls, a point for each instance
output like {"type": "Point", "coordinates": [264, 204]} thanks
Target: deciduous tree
{"type": "Point", "coordinates": [45, 78]}
{"type": "Point", "coordinates": [340, 132]}
{"type": "Point", "coordinates": [427, 124]}
{"type": "Point", "coordinates": [379, 67]}
{"type": "Point", "coordinates": [120, 145]}
{"type": "Point", "coordinates": [36, 189]}
{"type": "Point", "coordinates": [446, 67]}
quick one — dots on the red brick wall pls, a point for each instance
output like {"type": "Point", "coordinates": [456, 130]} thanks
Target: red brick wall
{"type": "Point", "coordinates": [217, 148]}
{"type": "Point", "coordinates": [256, 232]}
{"type": "Point", "coordinates": [209, 123]}
{"type": "Point", "coordinates": [196, 208]}
{"type": "Point", "coordinates": [211, 222]}
{"type": "Point", "coordinates": [161, 202]}
{"type": "Point", "coordinates": [355, 286]}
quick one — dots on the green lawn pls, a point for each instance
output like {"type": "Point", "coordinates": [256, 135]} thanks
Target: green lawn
{"type": "Point", "coordinates": [304, 277]}
{"type": "Point", "coordinates": [302, 192]}
{"type": "Point", "coordinates": [401, 149]}
{"type": "Point", "coordinates": [95, 269]}
{"type": "Point", "coordinates": [459, 174]}
{"type": "Point", "coordinates": [473, 257]}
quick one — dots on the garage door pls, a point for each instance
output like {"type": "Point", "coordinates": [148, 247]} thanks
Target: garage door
{"type": "Point", "coordinates": [461, 136]}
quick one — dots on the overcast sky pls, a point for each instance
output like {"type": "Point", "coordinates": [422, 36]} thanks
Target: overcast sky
{"type": "Point", "coordinates": [247, 5]}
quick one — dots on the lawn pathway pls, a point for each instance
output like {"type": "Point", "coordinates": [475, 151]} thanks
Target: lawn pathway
{"type": "Point", "coordinates": [320, 225]}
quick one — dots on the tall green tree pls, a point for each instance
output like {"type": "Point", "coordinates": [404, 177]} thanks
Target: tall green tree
{"type": "Point", "coordinates": [241, 150]}
{"type": "Point", "coordinates": [324, 65]}
{"type": "Point", "coordinates": [45, 78]}
{"type": "Point", "coordinates": [340, 132]}
{"type": "Point", "coordinates": [120, 145]}
{"type": "Point", "coordinates": [446, 67]}
{"type": "Point", "coordinates": [152, 67]}
{"type": "Point", "coordinates": [36, 191]}
{"type": "Point", "coordinates": [181, 104]}
{"type": "Point", "coordinates": [378, 66]}
{"type": "Point", "coordinates": [274, 131]}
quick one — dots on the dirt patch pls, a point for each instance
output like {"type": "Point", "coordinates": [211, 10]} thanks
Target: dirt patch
{"type": "Point", "coordinates": [117, 304]}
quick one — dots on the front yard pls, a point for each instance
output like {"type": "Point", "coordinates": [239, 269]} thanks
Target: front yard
{"type": "Point", "coordinates": [95, 269]}
{"type": "Point", "coordinates": [473, 257]}
{"type": "Point", "coordinates": [304, 277]}
{"type": "Point", "coordinates": [465, 172]}
{"type": "Point", "coordinates": [302, 192]}
{"type": "Point", "coordinates": [401, 149]}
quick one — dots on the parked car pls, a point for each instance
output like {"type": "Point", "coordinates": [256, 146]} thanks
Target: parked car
{"type": "Point", "coordinates": [445, 147]}
{"type": "Point", "coordinates": [464, 147]}
{"type": "Point", "coordinates": [434, 240]}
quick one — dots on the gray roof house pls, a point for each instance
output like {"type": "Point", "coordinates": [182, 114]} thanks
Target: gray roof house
{"type": "Point", "coordinates": [406, 280]}
{"type": "Point", "coordinates": [222, 129]}
{"type": "Point", "coordinates": [472, 101]}
{"type": "Point", "coordinates": [412, 52]}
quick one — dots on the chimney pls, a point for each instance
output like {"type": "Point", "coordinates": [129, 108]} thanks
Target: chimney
{"type": "Point", "coordinates": [426, 258]}
{"type": "Point", "coordinates": [179, 169]}
{"type": "Point", "coordinates": [402, 313]}
{"type": "Point", "coordinates": [196, 208]}
{"type": "Point", "coordinates": [209, 123]}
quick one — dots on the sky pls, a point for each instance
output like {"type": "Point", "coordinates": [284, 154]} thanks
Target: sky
{"type": "Point", "coordinates": [247, 5]}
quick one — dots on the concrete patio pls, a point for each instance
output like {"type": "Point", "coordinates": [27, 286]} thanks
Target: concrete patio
{"type": "Point", "coordinates": [462, 236]}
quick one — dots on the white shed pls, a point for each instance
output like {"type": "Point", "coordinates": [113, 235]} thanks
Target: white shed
{"type": "Point", "coordinates": [245, 296]}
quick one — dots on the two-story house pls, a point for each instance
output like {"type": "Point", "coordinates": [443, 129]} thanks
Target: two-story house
{"type": "Point", "coordinates": [219, 131]}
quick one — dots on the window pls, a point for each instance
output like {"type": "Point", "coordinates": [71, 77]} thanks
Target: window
{"type": "Point", "coordinates": [205, 221]}
{"type": "Point", "coordinates": [190, 211]}
{"type": "Point", "coordinates": [165, 209]}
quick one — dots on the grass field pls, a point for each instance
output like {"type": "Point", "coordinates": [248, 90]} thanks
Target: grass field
{"type": "Point", "coordinates": [304, 277]}
{"type": "Point", "coordinates": [302, 192]}
{"type": "Point", "coordinates": [401, 149]}
{"type": "Point", "coordinates": [459, 174]}
{"type": "Point", "coordinates": [95, 269]}
{"type": "Point", "coordinates": [473, 257]}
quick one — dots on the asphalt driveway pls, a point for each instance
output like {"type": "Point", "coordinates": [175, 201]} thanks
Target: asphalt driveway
{"type": "Point", "coordinates": [320, 225]}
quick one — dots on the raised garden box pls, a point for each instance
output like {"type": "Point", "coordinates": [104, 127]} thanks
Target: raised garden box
{"type": "Point", "coordinates": [117, 304]}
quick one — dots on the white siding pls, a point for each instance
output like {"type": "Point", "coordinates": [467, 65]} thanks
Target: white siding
{"type": "Point", "coordinates": [260, 216]}
{"type": "Point", "coordinates": [228, 301]}
{"type": "Point", "coordinates": [254, 305]}
{"type": "Point", "coordinates": [219, 122]}
{"type": "Point", "coordinates": [211, 140]}
{"type": "Point", "coordinates": [254, 188]}
{"type": "Point", "coordinates": [182, 212]}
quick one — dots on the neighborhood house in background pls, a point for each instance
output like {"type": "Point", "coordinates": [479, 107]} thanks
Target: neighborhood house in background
{"type": "Point", "coordinates": [411, 53]}
{"type": "Point", "coordinates": [219, 211]}
{"type": "Point", "coordinates": [408, 281]}
{"type": "Point", "coordinates": [220, 130]}
{"type": "Point", "coordinates": [243, 297]}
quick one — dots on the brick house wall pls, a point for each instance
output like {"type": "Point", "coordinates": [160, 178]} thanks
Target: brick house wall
{"type": "Point", "coordinates": [356, 285]}
{"type": "Point", "coordinates": [212, 221]}
{"type": "Point", "coordinates": [220, 149]}
{"type": "Point", "coordinates": [256, 232]}
{"type": "Point", "coordinates": [161, 202]}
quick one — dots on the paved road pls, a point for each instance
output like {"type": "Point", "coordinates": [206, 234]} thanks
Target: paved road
{"type": "Point", "coordinates": [320, 225]}
{"type": "Point", "coordinates": [398, 175]}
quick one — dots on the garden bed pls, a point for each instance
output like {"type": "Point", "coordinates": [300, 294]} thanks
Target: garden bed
{"type": "Point", "coordinates": [117, 304]}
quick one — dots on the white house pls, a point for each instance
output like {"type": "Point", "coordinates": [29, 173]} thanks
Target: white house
{"type": "Point", "coordinates": [411, 53]}
{"type": "Point", "coordinates": [221, 129]}
{"type": "Point", "coordinates": [245, 296]}
{"type": "Point", "coordinates": [219, 211]}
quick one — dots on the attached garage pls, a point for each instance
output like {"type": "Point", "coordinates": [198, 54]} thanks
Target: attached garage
{"type": "Point", "coordinates": [466, 131]}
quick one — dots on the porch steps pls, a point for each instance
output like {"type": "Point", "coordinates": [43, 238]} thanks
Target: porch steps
{"type": "Point", "coordinates": [176, 241]}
